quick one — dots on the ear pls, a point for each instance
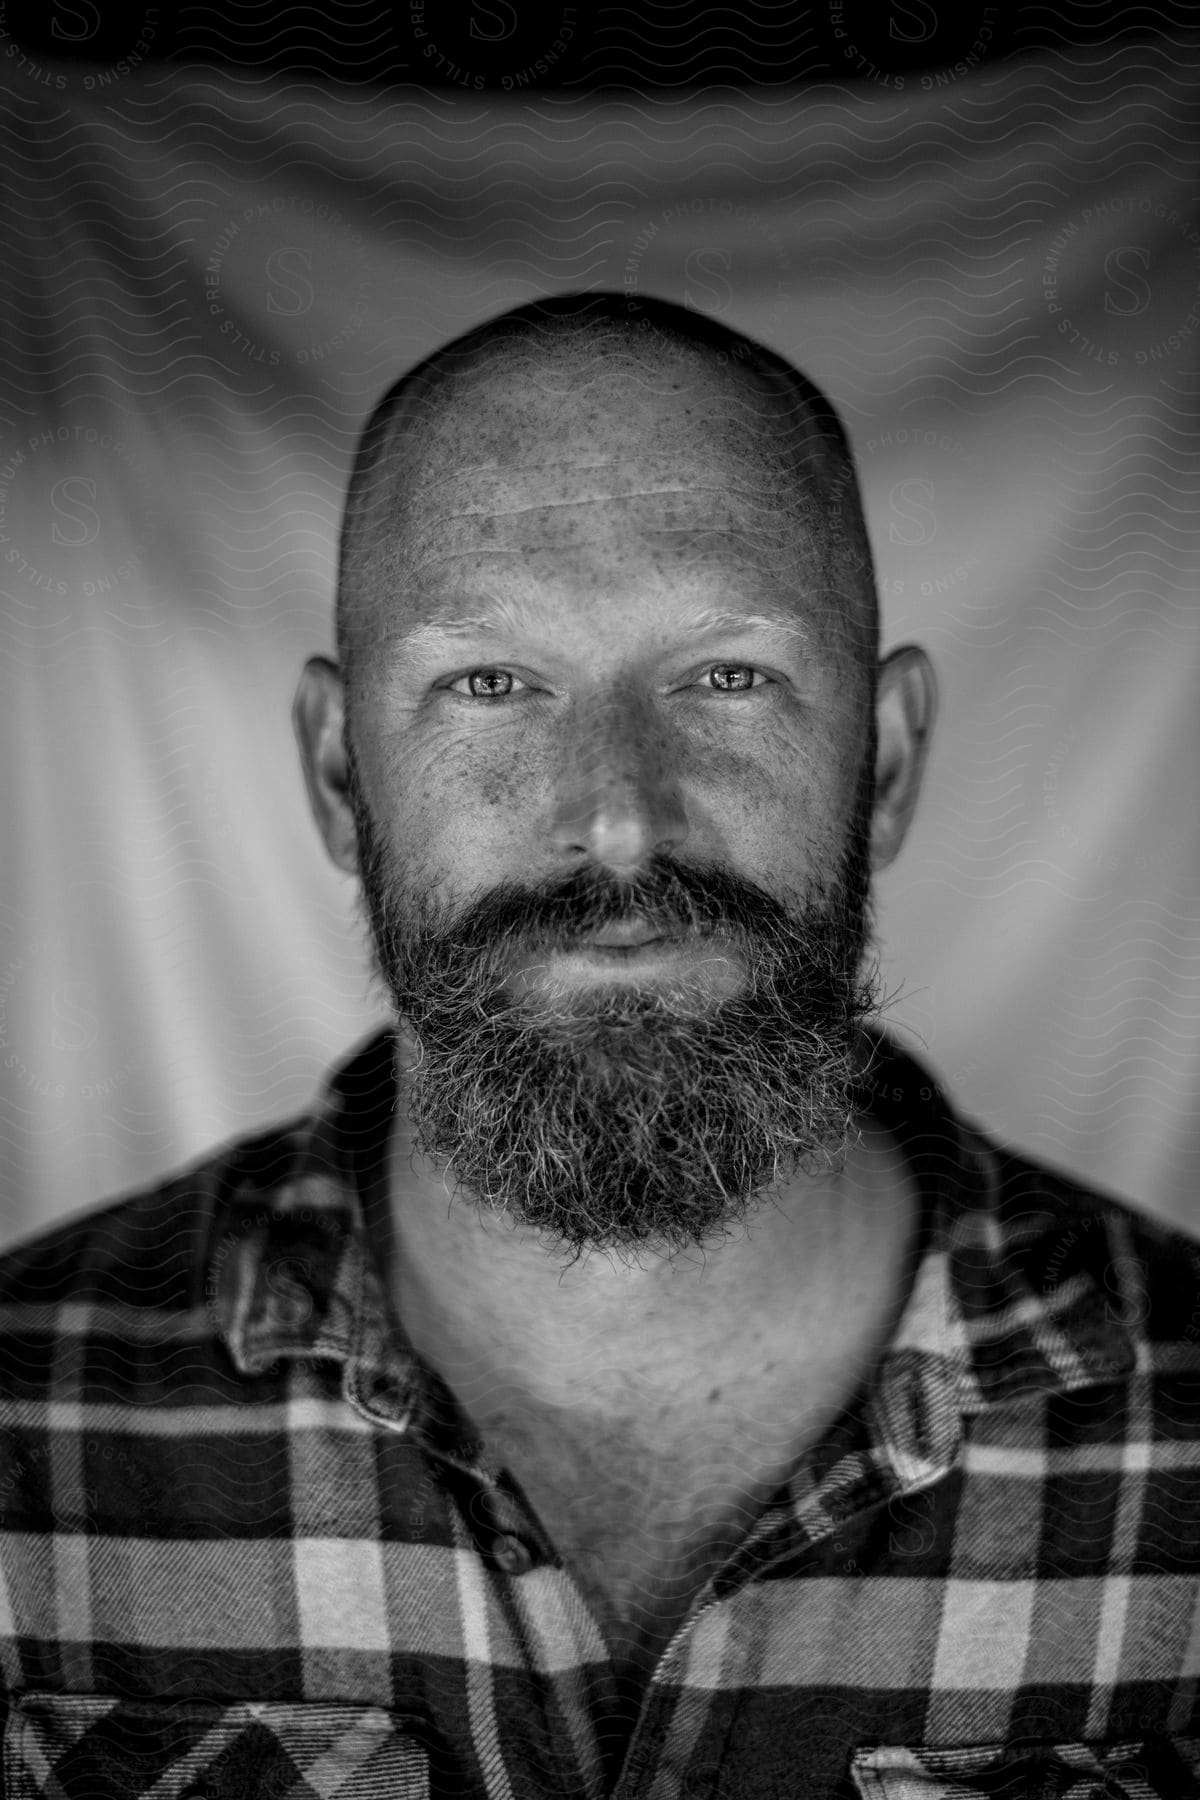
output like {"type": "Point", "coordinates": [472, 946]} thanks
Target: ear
{"type": "Point", "coordinates": [905, 709]}
{"type": "Point", "coordinates": [319, 721]}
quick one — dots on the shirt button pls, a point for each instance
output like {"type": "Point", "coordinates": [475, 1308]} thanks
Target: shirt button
{"type": "Point", "coordinates": [700, 1784]}
{"type": "Point", "coordinates": [510, 1555]}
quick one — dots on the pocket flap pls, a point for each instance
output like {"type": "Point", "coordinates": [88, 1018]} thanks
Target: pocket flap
{"type": "Point", "coordinates": [89, 1747]}
{"type": "Point", "coordinates": [1149, 1768]}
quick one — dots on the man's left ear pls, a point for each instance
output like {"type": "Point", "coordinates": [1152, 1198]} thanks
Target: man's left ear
{"type": "Point", "coordinates": [905, 708]}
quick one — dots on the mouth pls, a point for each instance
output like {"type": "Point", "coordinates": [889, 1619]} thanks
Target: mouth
{"type": "Point", "coordinates": [631, 951]}
{"type": "Point", "coordinates": [627, 934]}
{"type": "Point", "coordinates": [623, 942]}
{"type": "Point", "coordinates": [645, 948]}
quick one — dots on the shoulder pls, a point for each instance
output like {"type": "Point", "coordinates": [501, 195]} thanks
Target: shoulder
{"type": "Point", "coordinates": [145, 1251]}
{"type": "Point", "coordinates": [1029, 1242]}
{"type": "Point", "coordinates": [1067, 1238]}
{"type": "Point", "coordinates": [151, 1248]}
{"type": "Point", "coordinates": [106, 1320]}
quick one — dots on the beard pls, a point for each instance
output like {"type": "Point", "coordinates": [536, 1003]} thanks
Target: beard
{"type": "Point", "coordinates": [619, 1115]}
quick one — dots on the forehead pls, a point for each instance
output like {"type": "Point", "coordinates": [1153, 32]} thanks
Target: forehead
{"type": "Point", "coordinates": [580, 412]}
{"type": "Point", "coordinates": [553, 551]}
{"type": "Point", "coordinates": [588, 487]}
{"type": "Point", "coordinates": [668, 462]}
{"type": "Point", "coordinates": [598, 535]}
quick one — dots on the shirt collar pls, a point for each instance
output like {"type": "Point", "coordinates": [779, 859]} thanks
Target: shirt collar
{"type": "Point", "coordinates": [986, 1323]}
{"type": "Point", "coordinates": [291, 1271]}
{"type": "Point", "coordinates": [1004, 1305]}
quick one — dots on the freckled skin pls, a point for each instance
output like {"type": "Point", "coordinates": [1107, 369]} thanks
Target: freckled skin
{"type": "Point", "coordinates": [613, 507]}
{"type": "Point", "coordinates": [636, 520]}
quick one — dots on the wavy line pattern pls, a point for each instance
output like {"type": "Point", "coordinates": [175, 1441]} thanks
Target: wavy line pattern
{"type": "Point", "coordinates": [213, 273]}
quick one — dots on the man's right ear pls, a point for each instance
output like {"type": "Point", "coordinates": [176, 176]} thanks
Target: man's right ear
{"type": "Point", "coordinates": [319, 721]}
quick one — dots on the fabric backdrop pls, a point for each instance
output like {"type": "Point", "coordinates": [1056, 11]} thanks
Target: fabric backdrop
{"type": "Point", "coordinates": [996, 275]}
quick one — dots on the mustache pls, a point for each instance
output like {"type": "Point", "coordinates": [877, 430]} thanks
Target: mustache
{"type": "Point", "coordinates": [669, 897]}
{"type": "Point", "coordinates": [425, 942]}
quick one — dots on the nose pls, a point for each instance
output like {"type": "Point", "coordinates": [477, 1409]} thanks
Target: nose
{"type": "Point", "coordinates": [618, 798]}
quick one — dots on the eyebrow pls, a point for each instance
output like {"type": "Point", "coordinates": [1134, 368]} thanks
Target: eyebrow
{"type": "Point", "coordinates": [504, 619]}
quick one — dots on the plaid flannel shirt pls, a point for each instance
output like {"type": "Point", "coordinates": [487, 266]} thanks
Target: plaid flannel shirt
{"type": "Point", "coordinates": [245, 1549]}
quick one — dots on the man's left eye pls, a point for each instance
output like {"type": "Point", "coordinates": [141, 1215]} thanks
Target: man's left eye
{"type": "Point", "coordinates": [489, 683]}
{"type": "Point", "coordinates": [733, 678]}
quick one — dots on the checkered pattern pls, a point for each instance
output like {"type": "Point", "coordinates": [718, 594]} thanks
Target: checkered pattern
{"type": "Point", "coordinates": [247, 1549]}
{"type": "Point", "coordinates": [77, 1744]}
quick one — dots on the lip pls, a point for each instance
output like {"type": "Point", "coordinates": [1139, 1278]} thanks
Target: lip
{"type": "Point", "coordinates": [589, 964]}
{"type": "Point", "coordinates": [622, 937]}
{"type": "Point", "coordinates": [623, 952]}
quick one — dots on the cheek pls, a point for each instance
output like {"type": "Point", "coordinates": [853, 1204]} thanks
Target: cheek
{"type": "Point", "coordinates": [500, 789]}
{"type": "Point", "coordinates": [761, 787]}
{"type": "Point", "coordinates": [489, 780]}
{"type": "Point", "coordinates": [457, 800]}
{"type": "Point", "coordinates": [786, 815]}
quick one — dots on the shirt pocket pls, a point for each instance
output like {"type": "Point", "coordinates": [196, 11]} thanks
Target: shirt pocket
{"type": "Point", "coordinates": [1149, 1768]}
{"type": "Point", "coordinates": [89, 1747]}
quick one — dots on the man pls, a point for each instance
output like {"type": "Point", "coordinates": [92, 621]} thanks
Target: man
{"type": "Point", "coordinates": [634, 1379]}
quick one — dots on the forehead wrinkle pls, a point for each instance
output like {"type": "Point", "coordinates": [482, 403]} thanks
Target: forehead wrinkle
{"type": "Point", "coordinates": [561, 466]}
{"type": "Point", "coordinates": [757, 515]}
{"type": "Point", "coordinates": [641, 465]}
{"type": "Point", "coordinates": [700, 536]}
{"type": "Point", "coordinates": [490, 490]}
{"type": "Point", "coordinates": [645, 493]}
{"type": "Point", "coordinates": [768, 548]}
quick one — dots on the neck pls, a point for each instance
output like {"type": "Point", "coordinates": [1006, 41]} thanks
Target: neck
{"type": "Point", "coordinates": [812, 1280]}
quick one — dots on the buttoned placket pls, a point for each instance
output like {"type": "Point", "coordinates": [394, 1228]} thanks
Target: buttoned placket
{"type": "Point", "coordinates": [385, 1393]}
{"type": "Point", "coordinates": [384, 1387]}
{"type": "Point", "coordinates": [843, 1499]}
{"type": "Point", "coordinates": [388, 1397]}
{"type": "Point", "coordinates": [655, 1766]}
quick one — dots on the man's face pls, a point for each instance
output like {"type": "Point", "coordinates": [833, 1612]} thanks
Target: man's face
{"type": "Point", "coordinates": [612, 783]}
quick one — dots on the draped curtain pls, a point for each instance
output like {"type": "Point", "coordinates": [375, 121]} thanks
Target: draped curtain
{"type": "Point", "coordinates": [211, 277]}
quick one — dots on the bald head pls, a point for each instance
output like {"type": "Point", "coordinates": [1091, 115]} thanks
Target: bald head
{"type": "Point", "coordinates": [661, 398]}
{"type": "Point", "coordinates": [618, 762]}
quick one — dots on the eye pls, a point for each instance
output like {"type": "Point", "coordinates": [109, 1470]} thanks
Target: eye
{"type": "Point", "coordinates": [733, 678]}
{"type": "Point", "coordinates": [495, 684]}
